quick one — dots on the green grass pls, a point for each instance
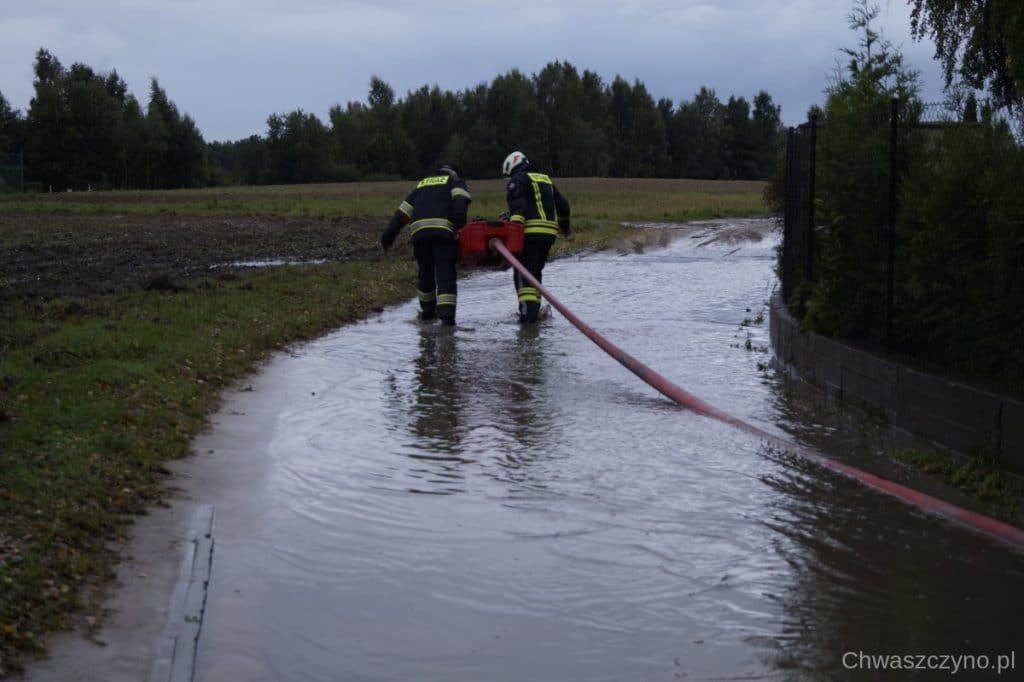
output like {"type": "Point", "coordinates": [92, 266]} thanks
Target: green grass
{"type": "Point", "coordinates": [96, 395]}
{"type": "Point", "coordinates": [981, 476]}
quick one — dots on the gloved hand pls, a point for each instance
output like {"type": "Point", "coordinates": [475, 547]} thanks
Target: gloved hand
{"type": "Point", "coordinates": [386, 242]}
{"type": "Point", "coordinates": [565, 228]}
{"type": "Point", "coordinates": [503, 216]}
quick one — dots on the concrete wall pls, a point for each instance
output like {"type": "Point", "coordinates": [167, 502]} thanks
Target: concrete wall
{"type": "Point", "coordinates": [955, 415]}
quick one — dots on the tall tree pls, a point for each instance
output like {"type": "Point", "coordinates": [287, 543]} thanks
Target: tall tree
{"type": "Point", "coordinates": [699, 132]}
{"type": "Point", "coordinates": [10, 127]}
{"type": "Point", "coordinates": [44, 138]}
{"type": "Point", "coordinates": [768, 133]}
{"type": "Point", "coordinates": [875, 72]}
{"type": "Point", "coordinates": [559, 96]}
{"type": "Point", "coordinates": [298, 148]}
{"type": "Point", "coordinates": [350, 133]}
{"type": "Point", "coordinates": [176, 145]}
{"type": "Point", "coordinates": [978, 42]}
{"type": "Point", "coordinates": [92, 117]}
{"type": "Point", "coordinates": [389, 150]}
{"type": "Point", "coordinates": [477, 149]}
{"type": "Point", "coordinates": [851, 147]}
{"type": "Point", "coordinates": [593, 155]}
{"type": "Point", "coordinates": [243, 162]}
{"type": "Point", "coordinates": [640, 146]}
{"type": "Point", "coordinates": [428, 117]}
{"type": "Point", "coordinates": [738, 150]}
{"type": "Point", "coordinates": [130, 145]}
{"type": "Point", "coordinates": [520, 123]}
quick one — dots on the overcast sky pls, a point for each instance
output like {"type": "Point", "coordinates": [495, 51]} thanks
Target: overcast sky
{"type": "Point", "coordinates": [231, 63]}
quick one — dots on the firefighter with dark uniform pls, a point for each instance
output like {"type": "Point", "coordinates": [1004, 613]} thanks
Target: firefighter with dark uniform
{"type": "Point", "coordinates": [535, 203]}
{"type": "Point", "coordinates": [435, 211]}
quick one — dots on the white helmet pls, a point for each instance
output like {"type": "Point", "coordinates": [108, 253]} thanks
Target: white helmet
{"type": "Point", "coordinates": [511, 161]}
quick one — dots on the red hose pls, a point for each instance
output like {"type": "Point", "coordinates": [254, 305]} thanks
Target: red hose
{"type": "Point", "coordinates": [979, 522]}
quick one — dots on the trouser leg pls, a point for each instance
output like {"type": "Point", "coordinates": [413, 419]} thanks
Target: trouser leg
{"type": "Point", "coordinates": [425, 281]}
{"type": "Point", "coordinates": [533, 257]}
{"type": "Point", "coordinates": [445, 255]}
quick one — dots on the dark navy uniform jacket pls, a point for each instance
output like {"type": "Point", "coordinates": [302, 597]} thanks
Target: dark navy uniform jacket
{"type": "Point", "coordinates": [535, 202]}
{"type": "Point", "coordinates": [435, 208]}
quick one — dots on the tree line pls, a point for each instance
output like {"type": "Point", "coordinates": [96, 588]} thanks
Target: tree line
{"type": "Point", "coordinates": [84, 129]}
{"type": "Point", "coordinates": [916, 239]}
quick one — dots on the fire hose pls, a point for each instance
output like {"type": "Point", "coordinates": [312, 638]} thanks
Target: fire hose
{"type": "Point", "coordinates": [973, 520]}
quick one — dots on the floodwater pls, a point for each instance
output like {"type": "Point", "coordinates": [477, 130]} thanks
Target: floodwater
{"type": "Point", "coordinates": [496, 503]}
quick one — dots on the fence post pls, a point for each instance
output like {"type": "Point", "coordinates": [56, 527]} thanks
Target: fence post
{"type": "Point", "coordinates": [809, 242]}
{"type": "Point", "coordinates": [789, 216]}
{"type": "Point", "coordinates": [890, 284]}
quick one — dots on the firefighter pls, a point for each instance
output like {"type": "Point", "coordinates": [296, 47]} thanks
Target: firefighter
{"type": "Point", "coordinates": [435, 211]}
{"type": "Point", "coordinates": [534, 202]}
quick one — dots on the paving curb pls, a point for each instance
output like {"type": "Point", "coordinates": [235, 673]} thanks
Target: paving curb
{"type": "Point", "coordinates": [176, 655]}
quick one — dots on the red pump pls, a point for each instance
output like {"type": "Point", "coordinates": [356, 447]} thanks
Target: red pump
{"type": "Point", "coordinates": [474, 239]}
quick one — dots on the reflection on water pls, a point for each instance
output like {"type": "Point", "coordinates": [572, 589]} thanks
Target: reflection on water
{"type": "Point", "coordinates": [577, 525]}
{"type": "Point", "coordinates": [901, 581]}
{"type": "Point", "coordinates": [893, 581]}
{"type": "Point", "coordinates": [466, 400]}
{"type": "Point", "coordinates": [268, 262]}
{"type": "Point", "coordinates": [434, 409]}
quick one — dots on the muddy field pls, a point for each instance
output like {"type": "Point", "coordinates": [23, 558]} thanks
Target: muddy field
{"type": "Point", "coordinates": [46, 256]}
{"type": "Point", "coordinates": [50, 256]}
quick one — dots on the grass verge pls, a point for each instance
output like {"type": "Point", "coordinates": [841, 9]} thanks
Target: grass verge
{"type": "Point", "coordinates": [981, 476]}
{"type": "Point", "coordinates": [98, 393]}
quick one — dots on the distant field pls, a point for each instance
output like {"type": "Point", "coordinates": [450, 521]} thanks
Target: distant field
{"type": "Point", "coordinates": [596, 198]}
{"type": "Point", "coordinates": [88, 243]}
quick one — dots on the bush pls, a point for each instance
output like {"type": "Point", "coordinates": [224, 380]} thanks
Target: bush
{"type": "Point", "coordinates": [960, 295]}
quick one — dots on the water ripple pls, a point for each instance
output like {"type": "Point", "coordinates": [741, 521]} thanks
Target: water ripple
{"type": "Point", "coordinates": [490, 503]}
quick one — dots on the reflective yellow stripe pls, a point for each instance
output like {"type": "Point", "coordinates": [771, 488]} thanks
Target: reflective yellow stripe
{"type": "Point", "coordinates": [536, 196]}
{"type": "Point", "coordinates": [538, 226]}
{"type": "Point", "coordinates": [425, 296]}
{"type": "Point", "coordinates": [446, 299]}
{"type": "Point", "coordinates": [529, 295]}
{"type": "Point", "coordinates": [459, 192]}
{"type": "Point", "coordinates": [434, 223]}
{"type": "Point", "coordinates": [539, 177]}
{"type": "Point", "coordinates": [517, 219]}
{"type": "Point", "coordinates": [435, 180]}
{"type": "Point", "coordinates": [406, 208]}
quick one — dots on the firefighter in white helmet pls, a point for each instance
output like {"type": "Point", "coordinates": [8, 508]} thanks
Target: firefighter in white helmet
{"type": "Point", "coordinates": [535, 203]}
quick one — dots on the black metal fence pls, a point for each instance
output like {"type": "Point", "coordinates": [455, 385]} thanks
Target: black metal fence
{"type": "Point", "coordinates": [904, 228]}
{"type": "Point", "coordinates": [842, 192]}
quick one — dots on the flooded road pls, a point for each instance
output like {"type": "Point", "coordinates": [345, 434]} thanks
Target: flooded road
{"type": "Point", "coordinates": [498, 503]}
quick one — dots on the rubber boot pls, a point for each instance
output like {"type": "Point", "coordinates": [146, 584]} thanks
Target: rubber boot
{"type": "Point", "coordinates": [528, 312]}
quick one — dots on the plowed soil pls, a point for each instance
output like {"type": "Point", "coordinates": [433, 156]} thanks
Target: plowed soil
{"type": "Point", "coordinates": [51, 256]}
